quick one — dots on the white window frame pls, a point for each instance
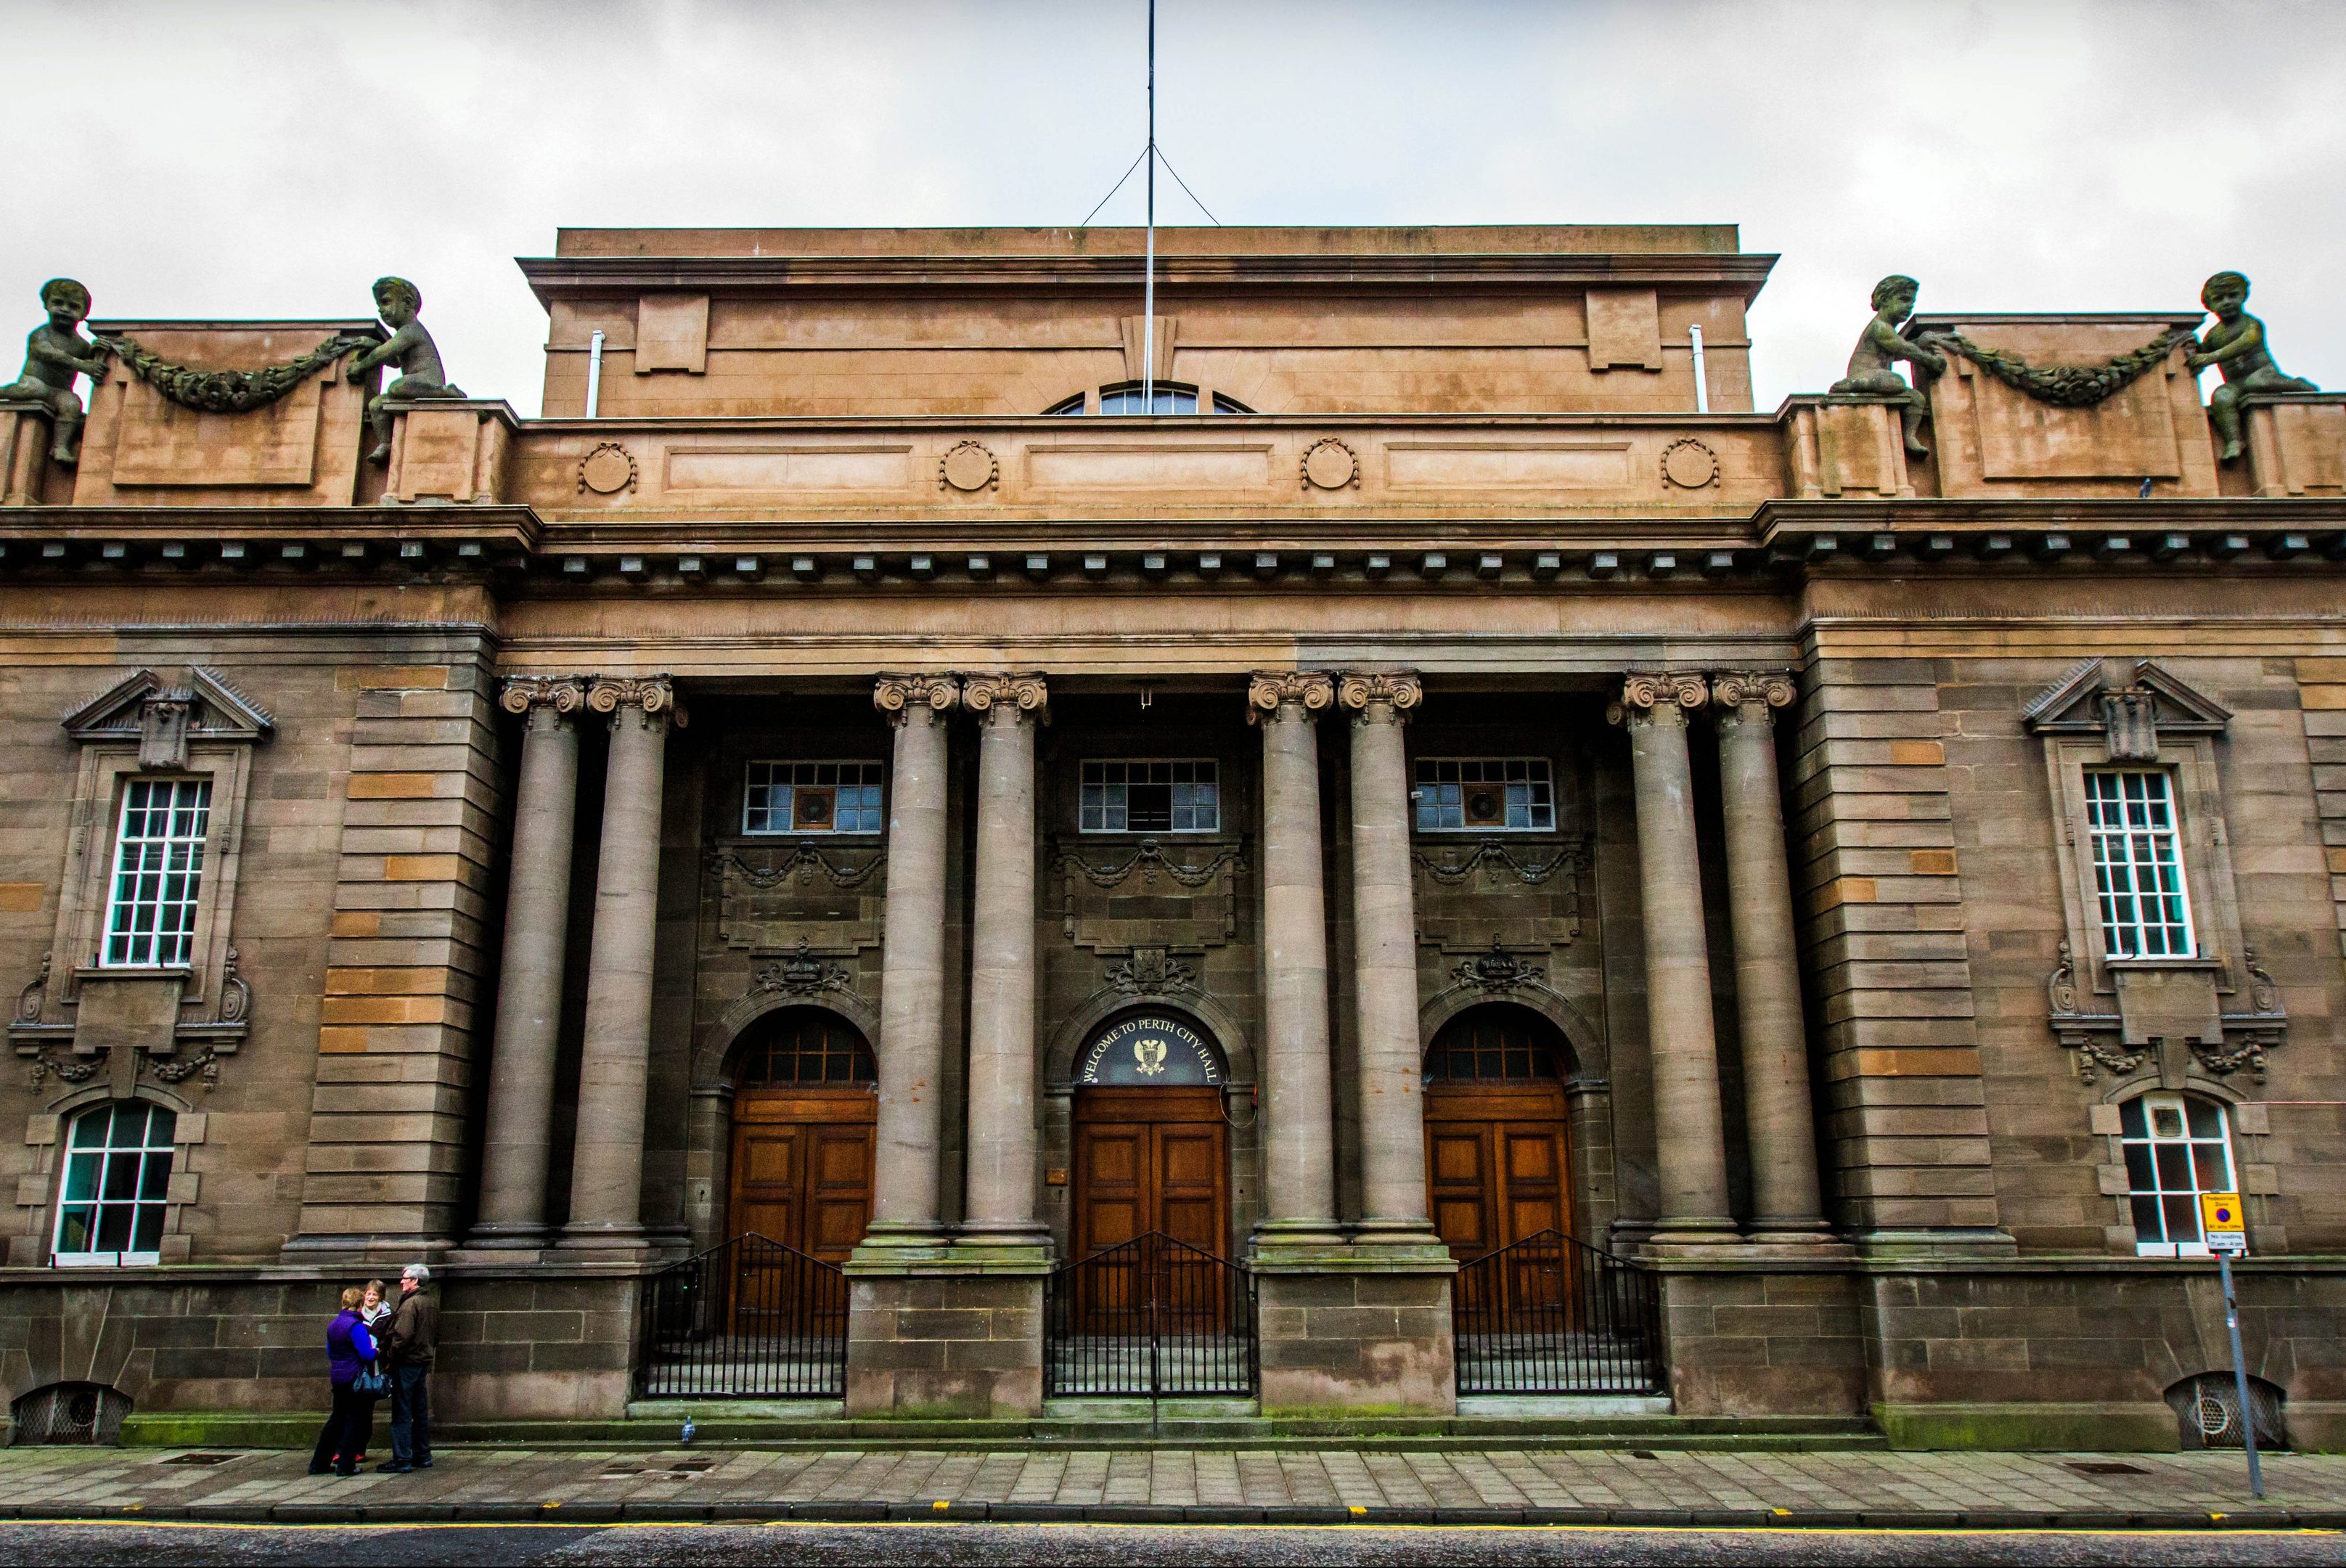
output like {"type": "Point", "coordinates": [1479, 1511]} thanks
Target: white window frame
{"type": "Point", "coordinates": [856, 773]}
{"type": "Point", "coordinates": [1539, 791]}
{"type": "Point", "coordinates": [1088, 821]}
{"type": "Point", "coordinates": [157, 877]}
{"type": "Point", "coordinates": [72, 1156]}
{"type": "Point", "coordinates": [2127, 852]}
{"type": "Point", "coordinates": [2149, 1107]}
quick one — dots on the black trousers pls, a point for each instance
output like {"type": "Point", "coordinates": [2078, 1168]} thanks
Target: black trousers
{"type": "Point", "coordinates": [344, 1436]}
{"type": "Point", "coordinates": [411, 1415]}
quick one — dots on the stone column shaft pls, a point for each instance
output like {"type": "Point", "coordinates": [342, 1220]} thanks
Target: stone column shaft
{"type": "Point", "coordinates": [1692, 1144]}
{"type": "Point", "coordinates": [1787, 1204]}
{"type": "Point", "coordinates": [606, 1170]}
{"type": "Point", "coordinates": [1001, 1130]}
{"type": "Point", "coordinates": [910, 1047]}
{"type": "Point", "coordinates": [1384, 935]}
{"type": "Point", "coordinates": [1300, 1152]}
{"type": "Point", "coordinates": [530, 988]}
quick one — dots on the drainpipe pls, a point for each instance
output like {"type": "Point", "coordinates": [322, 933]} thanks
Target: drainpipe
{"type": "Point", "coordinates": [594, 370]}
{"type": "Point", "coordinates": [1701, 376]}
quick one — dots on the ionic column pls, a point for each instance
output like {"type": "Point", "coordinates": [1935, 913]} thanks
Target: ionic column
{"type": "Point", "coordinates": [1002, 1132]}
{"type": "Point", "coordinates": [1384, 935]}
{"type": "Point", "coordinates": [529, 983]}
{"type": "Point", "coordinates": [910, 1047]}
{"type": "Point", "coordinates": [1786, 1205]}
{"type": "Point", "coordinates": [606, 1169]}
{"type": "Point", "coordinates": [1692, 1151]}
{"type": "Point", "coordinates": [1299, 1156]}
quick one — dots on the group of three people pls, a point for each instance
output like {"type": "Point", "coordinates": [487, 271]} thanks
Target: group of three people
{"type": "Point", "coordinates": [377, 1348]}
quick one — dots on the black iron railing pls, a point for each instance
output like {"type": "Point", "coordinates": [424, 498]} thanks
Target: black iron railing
{"type": "Point", "coordinates": [1550, 1315]}
{"type": "Point", "coordinates": [1151, 1317]}
{"type": "Point", "coordinates": [750, 1319]}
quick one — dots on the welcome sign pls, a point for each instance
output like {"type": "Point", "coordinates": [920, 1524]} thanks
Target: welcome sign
{"type": "Point", "coordinates": [1150, 1050]}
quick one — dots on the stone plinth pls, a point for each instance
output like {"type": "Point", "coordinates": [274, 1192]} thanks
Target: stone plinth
{"type": "Point", "coordinates": [1994, 440]}
{"type": "Point", "coordinates": [930, 1336]}
{"type": "Point", "coordinates": [1752, 1340]}
{"type": "Point", "coordinates": [1355, 1330]}
{"type": "Point", "coordinates": [24, 437]}
{"type": "Point", "coordinates": [2296, 443]}
{"type": "Point", "coordinates": [1846, 446]}
{"type": "Point", "coordinates": [449, 450]}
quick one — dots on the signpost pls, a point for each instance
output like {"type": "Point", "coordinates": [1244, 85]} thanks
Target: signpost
{"type": "Point", "coordinates": [2226, 1228]}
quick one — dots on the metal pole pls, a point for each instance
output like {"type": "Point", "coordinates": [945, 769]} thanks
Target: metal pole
{"type": "Point", "coordinates": [2240, 1377]}
{"type": "Point", "coordinates": [1149, 287]}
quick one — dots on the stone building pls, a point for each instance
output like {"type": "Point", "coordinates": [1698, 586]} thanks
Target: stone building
{"type": "Point", "coordinates": [1348, 838]}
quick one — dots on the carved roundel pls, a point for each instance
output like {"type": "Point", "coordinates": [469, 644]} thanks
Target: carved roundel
{"type": "Point", "coordinates": [969, 466]}
{"type": "Point", "coordinates": [607, 470]}
{"type": "Point", "coordinates": [1328, 464]}
{"type": "Point", "coordinates": [1688, 464]}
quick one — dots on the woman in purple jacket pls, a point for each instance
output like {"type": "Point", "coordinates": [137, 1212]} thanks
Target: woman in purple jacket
{"type": "Point", "coordinates": [349, 1350]}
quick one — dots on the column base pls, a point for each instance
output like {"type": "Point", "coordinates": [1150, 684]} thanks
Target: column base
{"type": "Point", "coordinates": [510, 1243]}
{"type": "Point", "coordinates": [942, 1343]}
{"type": "Point", "coordinates": [617, 1242]}
{"type": "Point", "coordinates": [1701, 1236]}
{"type": "Point", "coordinates": [1279, 1237]}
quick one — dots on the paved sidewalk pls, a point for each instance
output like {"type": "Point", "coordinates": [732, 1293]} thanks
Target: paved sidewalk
{"type": "Point", "coordinates": [1299, 1485]}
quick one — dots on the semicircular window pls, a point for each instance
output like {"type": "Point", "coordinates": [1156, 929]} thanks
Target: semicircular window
{"type": "Point", "coordinates": [1162, 397]}
{"type": "Point", "coordinates": [806, 1048]}
{"type": "Point", "coordinates": [1495, 1043]}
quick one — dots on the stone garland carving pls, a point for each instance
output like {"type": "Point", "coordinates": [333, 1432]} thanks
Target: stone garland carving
{"type": "Point", "coordinates": [1027, 694]}
{"type": "Point", "coordinates": [1491, 852]}
{"type": "Point", "coordinates": [70, 1069]}
{"type": "Point", "coordinates": [1358, 689]}
{"type": "Point", "coordinates": [898, 695]}
{"type": "Point", "coordinates": [1730, 690]}
{"type": "Point", "coordinates": [1309, 689]}
{"type": "Point", "coordinates": [1329, 465]}
{"type": "Point", "coordinates": [2064, 386]}
{"type": "Point", "coordinates": [178, 1069]}
{"type": "Point", "coordinates": [1642, 691]}
{"type": "Point", "coordinates": [607, 470]}
{"type": "Point", "coordinates": [1151, 972]}
{"type": "Point", "coordinates": [799, 974]}
{"type": "Point", "coordinates": [54, 353]}
{"type": "Point", "coordinates": [1689, 464]}
{"type": "Point", "coordinates": [560, 693]}
{"type": "Point", "coordinates": [1148, 860]}
{"type": "Point", "coordinates": [969, 466]}
{"type": "Point", "coordinates": [1497, 973]}
{"type": "Point", "coordinates": [805, 863]}
{"type": "Point", "coordinates": [2099, 1040]}
{"type": "Point", "coordinates": [229, 391]}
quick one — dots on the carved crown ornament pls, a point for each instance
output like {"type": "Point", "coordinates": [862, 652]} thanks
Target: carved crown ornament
{"type": "Point", "coordinates": [1643, 692]}
{"type": "Point", "coordinates": [1151, 972]}
{"type": "Point", "coordinates": [899, 697]}
{"type": "Point", "coordinates": [1366, 692]}
{"type": "Point", "coordinates": [163, 719]}
{"type": "Point", "coordinates": [1308, 690]}
{"type": "Point", "coordinates": [1026, 695]}
{"type": "Point", "coordinates": [1497, 973]}
{"type": "Point", "coordinates": [799, 974]}
{"type": "Point", "coordinates": [2130, 708]}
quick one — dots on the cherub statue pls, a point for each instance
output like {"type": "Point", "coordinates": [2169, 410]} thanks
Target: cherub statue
{"type": "Point", "coordinates": [1882, 344]}
{"type": "Point", "coordinates": [412, 349]}
{"type": "Point", "coordinates": [2236, 344]}
{"type": "Point", "coordinates": [54, 353]}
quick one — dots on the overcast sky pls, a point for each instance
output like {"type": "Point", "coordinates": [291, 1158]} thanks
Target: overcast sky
{"type": "Point", "coordinates": [228, 160]}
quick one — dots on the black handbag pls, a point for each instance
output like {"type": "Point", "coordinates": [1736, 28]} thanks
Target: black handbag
{"type": "Point", "coordinates": [372, 1382]}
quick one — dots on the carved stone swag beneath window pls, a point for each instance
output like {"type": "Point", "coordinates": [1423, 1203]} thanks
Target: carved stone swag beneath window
{"type": "Point", "coordinates": [2205, 1013]}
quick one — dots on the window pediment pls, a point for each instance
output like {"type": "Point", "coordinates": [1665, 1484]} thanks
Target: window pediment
{"type": "Point", "coordinates": [163, 719]}
{"type": "Point", "coordinates": [2130, 707]}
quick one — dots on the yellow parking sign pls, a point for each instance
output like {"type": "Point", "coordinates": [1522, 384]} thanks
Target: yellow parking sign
{"type": "Point", "coordinates": [2223, 1224]}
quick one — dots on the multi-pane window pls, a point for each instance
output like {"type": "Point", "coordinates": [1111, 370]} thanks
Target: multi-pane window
{"type": "Point", "coordinates": [159, 868]}
{"type": "Point", "coordinates": [1151, 797]}
{"type": "Point", "coordinates": [2175, 1150]}
{"type": "Point", "coordinates": [118, 1170]}
{"type": "Point", "coordinates": [812, 797]}
{"type": "Point", "coordinates": [1484, 794]}
{"type": "Point", "coordinates": [1494, 1046]}
{"type": "Point", "coordinates": [2137, 863]}
{"type": "Point", "coordinates": [806, 1048]}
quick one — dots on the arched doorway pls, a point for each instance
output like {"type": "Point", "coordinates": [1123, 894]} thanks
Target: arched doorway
{"type": "Point", "coordinates": [1151, 1147]}
{"type": "Point", "coordinates": [1498, 1153]}
{"type": "Point", "coordinates": [805, 1102]}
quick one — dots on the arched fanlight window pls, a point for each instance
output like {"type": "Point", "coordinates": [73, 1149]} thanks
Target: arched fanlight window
{"type": "Point", "coordinates": [1162, 397]}
{"type": "Point", "coordinates": [118, 1171]}
{"type": "Point", "coordinates": [2177, 1147]}
{"type": "Point", "coordinates": [1497, 1043]}
{"type": "Point", "coordinates": [806, 1048]}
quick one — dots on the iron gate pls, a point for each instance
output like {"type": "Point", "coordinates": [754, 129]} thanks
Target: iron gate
{"type": "Point", "coordinates": [750, 1319]}
{"type": "Point", "coordinates": [1151, 1317]}
{"type": "Point", "coordinates": [1553, 1315]}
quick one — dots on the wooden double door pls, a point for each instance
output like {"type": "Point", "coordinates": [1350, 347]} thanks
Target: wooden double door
{"type": "Point", "coordinates": [801, 1171]}
{"type": "Point", "coordinates": [1496, 1164]}
{"type": "Point", "coordinates": [1151, 1159]}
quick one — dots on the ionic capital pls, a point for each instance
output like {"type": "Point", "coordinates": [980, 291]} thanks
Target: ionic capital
{"type": "Point", "coordinates": [1749, 693]}
{"type": "Point", "coordinates": [650, 695]}
{"type": "Point", "coordinates": [1016, 696]}
{"type": "Point", "coordinates": [899, 697]}
{"type": "Point", "coordinates": [1646, 695]}
{"type": "Point", "coordinates": [1308, 690]}
{"type": "Point", "coordinates": [564, 694]}
{"type": "Point", "coordinates": [1378, 696]}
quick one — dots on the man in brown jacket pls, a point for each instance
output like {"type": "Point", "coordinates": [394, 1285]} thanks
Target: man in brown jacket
{"type": "Point", "coordinates": [408, 1339]}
